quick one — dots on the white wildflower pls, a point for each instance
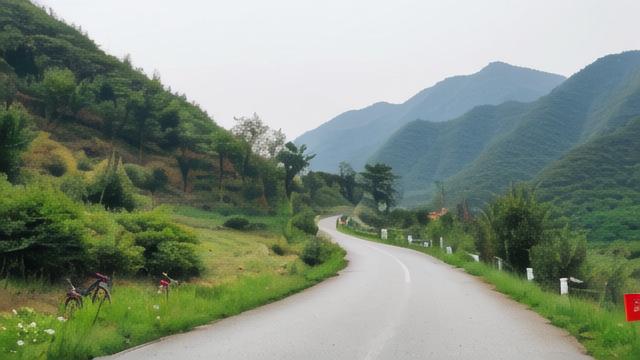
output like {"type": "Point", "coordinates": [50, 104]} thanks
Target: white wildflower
{"type": "Point", "coordinates": [156, 307]}
{"type": "Point", "coordinates": [14, 311]}
{"type": "Point", "coordinates": [20, 342]}
{"type": "Point", "coordinates": [50, 331]}
{"type": "Point", "coordinates": [157, 317]}
{"type": "Point", "coordinates": [61, 319]}
{"type": "Point", "coordinates": [34, 340]}
{"type": "Point", "coordinates": [3, 328]}
{"type": "Point", "coordinates": [33, 324]}
{"type": "Point", "coordinates": [20, 326]}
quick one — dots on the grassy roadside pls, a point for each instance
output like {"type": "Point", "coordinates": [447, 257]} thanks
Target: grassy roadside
{"type": "Point", "coordinates": [241, 273]}
{"type": "Point", "coordinates": [604, 332]}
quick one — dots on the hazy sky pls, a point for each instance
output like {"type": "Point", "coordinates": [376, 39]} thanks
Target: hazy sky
{"type": "Point", "coordinates": [298, 63]}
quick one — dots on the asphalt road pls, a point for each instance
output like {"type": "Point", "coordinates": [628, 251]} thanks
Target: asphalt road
{"type": "Point", "coordinates": [389, 303]}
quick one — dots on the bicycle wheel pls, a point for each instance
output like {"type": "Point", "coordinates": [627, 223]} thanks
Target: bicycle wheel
{"type": "Point", "coordinates": [101, 294]}
{"type": "Point", "coordinates": [71, 305]}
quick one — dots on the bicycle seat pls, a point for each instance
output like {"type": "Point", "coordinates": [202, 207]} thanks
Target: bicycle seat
{"type": "Point", "coordinates": [101, 277]}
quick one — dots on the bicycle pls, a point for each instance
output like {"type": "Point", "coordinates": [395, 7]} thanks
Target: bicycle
{"type": "Point", "coordinates": [165, 283]}
{"type": "Point", "coordinates": [98, 290]}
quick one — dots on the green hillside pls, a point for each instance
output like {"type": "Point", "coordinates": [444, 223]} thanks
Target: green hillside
{"type": "Point", "coordinates": [598, 99]}
{"type": "Point", "coordinates": [354, 136]}
{"type": "Point", "coordinates": [597, 184]}
{"type": "Point", "coordinates": [94, 104]}
{"type": "Point", "coordinates": [425, 152]}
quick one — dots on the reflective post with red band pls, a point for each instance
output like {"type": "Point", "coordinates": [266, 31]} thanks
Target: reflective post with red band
{"type": "Point", "coordinates": [632, 306]}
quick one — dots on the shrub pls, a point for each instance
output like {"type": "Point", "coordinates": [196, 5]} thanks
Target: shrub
{"type": "Point", "coordinates": [138, 175]}
{"type": "Point", "coordinates": [561, 255]}
{"type": "Point", "coordinates": [237, 222]}
{"type": "Point", "coordinates": [316, 251]}
{"type": "Point", "coordinates": [55, 165]}
{"type": "Point", "coordinates": [41, 232]}
{"type": "Point", "coordinates": [277, 249]}
{"type": "Point", "coordinates": [305, 221]}
{"type": "Point", "coordinates": [112, 188]}
{"type": "Point", "coordinates": [178, 259]}
{"type": "Point", "coordinates": [167, 246]}
{"type": "Point", "coordinates": [74, 187]}
{"type": "Point", "coordinates": [14, 137]}
{"type": "Point", "coordinates": [85, 164]}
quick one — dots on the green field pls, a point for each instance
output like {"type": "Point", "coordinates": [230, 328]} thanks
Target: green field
{"type": "Point", "coordinates": [241, 272]}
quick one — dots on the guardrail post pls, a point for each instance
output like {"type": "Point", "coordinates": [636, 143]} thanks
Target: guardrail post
{"type": "Point", "coordinates": [441, 243]}
{"type": "Point", "coordinates": [564, 286]}
{"type": "Point", "coordinates": [529, 274]}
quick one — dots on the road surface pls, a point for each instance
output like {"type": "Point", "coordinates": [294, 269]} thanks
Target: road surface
{"type": "Point", "coordinates": [389, 303]}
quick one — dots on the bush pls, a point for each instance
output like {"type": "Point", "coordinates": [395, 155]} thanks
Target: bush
{"type": "Point", "coordinates": [316, 251]}
{"type": "Point", "coordinates": [167, 246]}
{"type": "Point", "coordinates": [112, 187]}
{"type": "Point", "coordinates": [176, 258]}
{"type": "Point", "coordinates": [561, 255]}
{"type": "Point", "coordinates": [74, 187]}
{"type": "Point", "coordinates": [237, 222]}
{"type": "Point", "coordinates": [277, 249]}
{"type": "Point", "coordinates": [305, 221]}
{"type": "Point", "coordinates": [138, 175]}
{"type": "Point", "coordinates": [55, 165]}
{"type": "Point", "coordinates": [85, 164]}
{"type": "Point", "coordinates": [41, 232]}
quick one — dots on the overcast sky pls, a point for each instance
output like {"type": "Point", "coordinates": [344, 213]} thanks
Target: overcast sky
{"type": "Point", "coordinates": [298, 63]}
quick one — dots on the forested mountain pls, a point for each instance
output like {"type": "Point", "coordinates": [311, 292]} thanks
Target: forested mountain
{"type": "Point", "coordinates": [423, 152]}
{"type": "Point", "coordinates": [95, 105]}
{"type": "Point", "coordinates": [354, 136]}
{"type": "Point", "coordinates": [597, 184]}
{"type": "Point", "coordinates": [579, 144]}
{"type": "Point", "coordinates": [600, 98]}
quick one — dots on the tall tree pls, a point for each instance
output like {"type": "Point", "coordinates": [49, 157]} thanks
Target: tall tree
{"type": "Point", "coordinates": [252, 130]}
{"type": "Point", "coordinates": [347, 181]}
{"type": "Point", "coordinates": [513, 224]}
{"type": "Point", "coordinates": [58, 86]}
{"type": "Point", "coordinates": [226, 147]}
{"type": "Point", "coordinates": [8, 89]}
{"type": "Point", "coordinates": [378, 180]}
{"type": "Point", "coordinates": [294, 160]}
{"type": "Point", "coordinates": [15, 137]}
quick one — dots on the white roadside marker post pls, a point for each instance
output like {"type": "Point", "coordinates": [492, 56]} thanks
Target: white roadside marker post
{"type": "Point", "coordinates": [449, 250]}
{"type": "Point", "coordinates": [441, 243]}
{"type": "Point", "coordinates": [564, 286]}
{"type": "Point", "coordinates": [383, 234]}
{"type": "Point", "coordinates": [499, 264]}
{"type": "Point", "coordinates": [410, 239]}
{"type": "Point", "coordinates": [530, 274]}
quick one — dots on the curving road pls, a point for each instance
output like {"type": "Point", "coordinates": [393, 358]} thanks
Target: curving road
{"type": "Point", "coordinates": [389, 303]}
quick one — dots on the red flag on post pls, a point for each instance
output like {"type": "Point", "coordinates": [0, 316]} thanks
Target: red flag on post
{"type": "Point", "coordinates": [632, 306]}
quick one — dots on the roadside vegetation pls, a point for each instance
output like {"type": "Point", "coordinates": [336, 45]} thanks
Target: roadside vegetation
{"type": "Point", "coordinates": [104, 169]}
{"type": "Point", "coordinates": [518, 231]}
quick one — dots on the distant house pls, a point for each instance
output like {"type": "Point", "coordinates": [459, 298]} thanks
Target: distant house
{"type": "Point", "coordinates": [435, 215]}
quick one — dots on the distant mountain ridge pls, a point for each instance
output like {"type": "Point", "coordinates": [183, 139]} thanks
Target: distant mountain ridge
{"type": "Point", "coordinates": [354, 136]}
{"type": "Point", "coordinates": [579, 145]}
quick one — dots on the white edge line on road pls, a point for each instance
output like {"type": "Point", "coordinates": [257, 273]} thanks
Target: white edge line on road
{"type": "Point", "coordinates": [407, 275]}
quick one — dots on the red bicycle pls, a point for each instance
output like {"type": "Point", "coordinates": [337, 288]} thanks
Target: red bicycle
{"type": "Point", "coordinates": [165, 283]}
{"type": "Point", "coordinates": [99, 290]}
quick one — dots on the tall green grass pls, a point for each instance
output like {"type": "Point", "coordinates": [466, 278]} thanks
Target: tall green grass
{"type": "Point", "coordinates": [139, 314]}
{"type": "Point", "coordinates": [603, 331]}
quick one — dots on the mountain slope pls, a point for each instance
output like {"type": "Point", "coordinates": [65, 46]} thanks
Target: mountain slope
{"type": "Point", "coordinates": [600, 98]}
{"type": "Point", "coordinates": [597, 184]}
{"type": "Point", "coordinates": [355, 135]}
{"type": "Point", "coordinates": [423, 152]}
